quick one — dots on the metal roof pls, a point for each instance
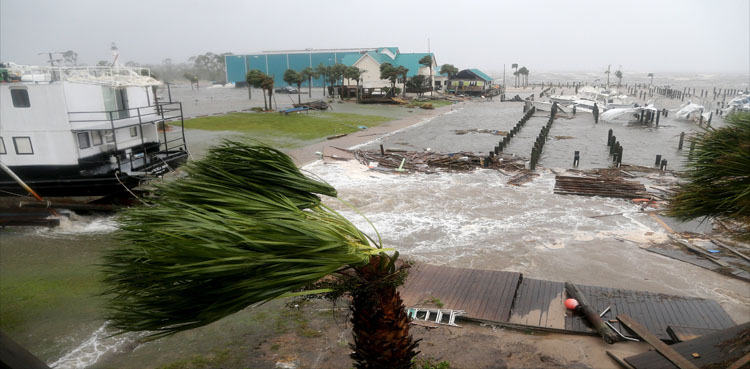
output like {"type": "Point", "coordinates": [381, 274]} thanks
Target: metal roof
{"type": "Point", "coordinates": [481, 74]}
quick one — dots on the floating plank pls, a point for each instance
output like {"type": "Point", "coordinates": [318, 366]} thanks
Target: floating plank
{"type": "Point", "coordinates": [654, 341]}
{"type": "Point", "coordinates": [589, 186]}
{"type": "Point", "coordinates": [719, 350]}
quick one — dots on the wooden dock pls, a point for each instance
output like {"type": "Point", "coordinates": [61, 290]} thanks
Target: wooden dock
{"type": "Point", "coordinates": [590, 186]}
{"type": "Point", "coordinates": [507, 298]}
{"type": "Point", "coordinates": [717, 350]}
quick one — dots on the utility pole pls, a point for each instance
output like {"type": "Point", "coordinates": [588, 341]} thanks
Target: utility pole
{"type": "Point", "coordinates": [608, 74]}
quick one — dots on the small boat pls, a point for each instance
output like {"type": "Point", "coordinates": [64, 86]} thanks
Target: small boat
{"type": "Point", "coordinates": [84, 131]}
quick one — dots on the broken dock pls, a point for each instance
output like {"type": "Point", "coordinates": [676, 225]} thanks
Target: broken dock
{"type": "Point", "coordinates": [509, 299]}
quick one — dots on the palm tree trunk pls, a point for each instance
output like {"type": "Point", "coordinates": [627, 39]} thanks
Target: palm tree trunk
{"type": "Point", "coordinates": [432, 84]}
{"type": "Point", "coordinates": [265, 106]}
{"type": "Point", "coordinates": [309, 88]}
{"type": "Point", "coordinates": [380, 322]}
{"type": "Point", "coordinates": [299, 92]}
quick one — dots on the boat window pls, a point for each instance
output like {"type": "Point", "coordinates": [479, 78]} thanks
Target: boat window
{"type": "Point", "coordinates": [2, 147]}
{"type": "Point", "coordinates": [97, 137]}
{"type": "Point", "coordinates": [133, 131]}
{"type": "Point", "coordinates": [20, 98]}
{"type": "Point", "coordinates": [110, 136]}
{"type": "Point", "coordinates": [83, 140]}
{"type": "Point", "coordinates": [23, 145]}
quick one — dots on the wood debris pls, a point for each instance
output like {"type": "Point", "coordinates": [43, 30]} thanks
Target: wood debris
{"type": "Point", "coordinates": [476, 130]}
{"type": "Point", "coordinates": [432, 162]}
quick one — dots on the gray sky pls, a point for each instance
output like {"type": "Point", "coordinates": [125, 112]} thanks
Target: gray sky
{"type": "Point", "coordinates": [552, 35]}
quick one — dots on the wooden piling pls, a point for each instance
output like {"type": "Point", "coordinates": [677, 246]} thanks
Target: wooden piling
{"type": "Point", "coordinates": [657, 161]}
{"type": "Point", "coordinates": [682, 139]}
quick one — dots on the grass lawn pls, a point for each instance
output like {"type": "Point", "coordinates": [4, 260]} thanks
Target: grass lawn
{"type": "Point", "coordinates": [275, 128]}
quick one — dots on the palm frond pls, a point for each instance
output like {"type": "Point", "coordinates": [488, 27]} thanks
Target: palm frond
{"type": "Point", "coordinates": [244, 227]}
{"type": "Point", "coordinates": [718, 174]}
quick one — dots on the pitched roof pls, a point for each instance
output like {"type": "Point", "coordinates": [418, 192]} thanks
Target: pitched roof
{"type": "Point", "coordinates": [481, 74]}
{"type": "Point", "coordinates": [411, 62]}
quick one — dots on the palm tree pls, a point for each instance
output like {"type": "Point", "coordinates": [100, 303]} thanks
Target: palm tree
{"type": "Point", "coordinates": [245, 227]}
{"type": "Point", "coordinates": [515, 73]}
{"type": "Point", "coordinates": [308, 74]}
{"type": "Point", "coordinates": [323, 71]}
{"type": "Point", "coordinates": [402, 71]}
{"type": "Point", "coordinates": [618, 74]}
{"type": "Point", "coordinates": [387, 71]}
{"type": "Point", "coordinates": [353, 73]}
{"type": "Point", "coordinates": [255, 79]}
{"type": "Point", "coordinates": [523, 72]}
{"type": "Point", "coordinates": [719, 175]}
{"type": "Point", "coordinates": [292, 77]}
{"type": "Point", "coordinates": [652, 78]}
{"type": "Point", "coordinates": [427, 61]}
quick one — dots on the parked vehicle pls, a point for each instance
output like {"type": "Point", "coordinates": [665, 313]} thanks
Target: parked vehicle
{"type": "Point", "coordinates": [287, 89]}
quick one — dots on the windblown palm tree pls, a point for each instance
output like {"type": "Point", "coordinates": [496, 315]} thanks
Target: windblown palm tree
{"type": "Point", "coordinates": [719, 175]}
{"type": "Point", "coordinates": [427, 61]}
{"type": "Point", "coordinates": [652, 78]}
{"type": "Point", "coordinates": [246, 226]}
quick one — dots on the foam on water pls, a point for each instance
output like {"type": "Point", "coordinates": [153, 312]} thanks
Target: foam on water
{"type": "Point", "coordinates": [97, 345]}
{"type": "Point", "coordinates": [74, 225]}
{"type": "Point", "coordinates": [450, 216]}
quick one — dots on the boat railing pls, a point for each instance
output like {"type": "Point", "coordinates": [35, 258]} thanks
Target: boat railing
{"type": "Point", "coordinates": [117, 75]}
{"type": "Point", "coordinates": [140, 157]}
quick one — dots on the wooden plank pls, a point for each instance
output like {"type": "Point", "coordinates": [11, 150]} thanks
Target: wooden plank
{"type": "Point", "coordinates": [619, 361]}
{"type": "Point", "coordinates": [507, 295]}
{"type": "Point", "coordinates": [450, 297]}
{"type": "Point", "coordinates": [13, 355]}
{"type": "Point", "coordinates": [545, 301]}
{"type": "Point", "coordinates": [484, 307]}
{"type": "Point", "coordinates": [660, 346]}
{"type": "Point", "coordinates": [717, 350]}
{"type": "Point", "coordinates": [498, 300]}
{"type": "Point", "coordinates": [468, 298]}
{"type": "Point", "coordinates": [741, 362]}
{"type": "Point", "coordinates": [480, 297]}
{"type": "Point", "coordinates": [680, 334]}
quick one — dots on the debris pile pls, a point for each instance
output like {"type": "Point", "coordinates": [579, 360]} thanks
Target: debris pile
{"type": "Point", "coordinates": [318, 105]}
{"type": "Point", "coordinates": [431, 162]}
{"type": "Point", "coordinates": [476, 130]}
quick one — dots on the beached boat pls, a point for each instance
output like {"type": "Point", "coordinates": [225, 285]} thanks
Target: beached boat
{"type": "Point", "coordinates": [84, 131]}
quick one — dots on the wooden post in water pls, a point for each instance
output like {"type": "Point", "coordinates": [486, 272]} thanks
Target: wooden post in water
{"type": "Point", "coordinates": [658, 160]}
{"type": "Point", "coordinates": [682, 138]}
{"type": "Point", "coordinates": [658, 114]}
{"type": "Point", "coordinates": [576, 159]}
{"type": "Point", "coordinates": [663, 166]}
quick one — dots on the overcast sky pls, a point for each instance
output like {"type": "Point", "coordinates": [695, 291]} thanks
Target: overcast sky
{"type": "Point", "coordinates": [552, 35]}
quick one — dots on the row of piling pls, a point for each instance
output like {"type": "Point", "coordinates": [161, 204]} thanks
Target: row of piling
{"type": "Point", "coordinates": [536, 151]}
{"type": "Point", "coordinates": [615, 149]}
{"type": "Point", "coordinates": [502, 145]}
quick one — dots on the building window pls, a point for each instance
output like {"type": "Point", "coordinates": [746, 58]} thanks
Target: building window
{"type": "Point", "coordinates": [133, 131]}
{"type": "Point", "coordinates": [20, 97]}
{"type": "Point", "coordinates": [2, 147]}
{"type": "Point", "coordinates": [23, 145]}
{"type": "Point", "coordinates": [83, 140]}
{"type": "Point", "coordinates": [97, 137]}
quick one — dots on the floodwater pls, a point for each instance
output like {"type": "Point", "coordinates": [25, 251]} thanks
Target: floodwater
{"type": "Point", "coordinates": [471, 220]}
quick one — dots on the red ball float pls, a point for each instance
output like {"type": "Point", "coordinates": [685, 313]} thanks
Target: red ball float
{"type": "Point", "coordinates": [571, 304]}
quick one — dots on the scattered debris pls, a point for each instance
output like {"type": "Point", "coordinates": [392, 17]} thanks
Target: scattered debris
{"type": "Point", "coordinates": [522, 178]}
{"type": "Point", "coordinates": [318, 105]}
{"type": "Point", "coordinates": [477, 130]}
{"type": "Point", "coordinates": [563, 137]}
{"type": "Point", "coordinates": [431, 162]}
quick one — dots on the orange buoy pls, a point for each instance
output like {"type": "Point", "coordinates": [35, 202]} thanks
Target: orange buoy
{"type": "Point", "coordinates": [571, 304]}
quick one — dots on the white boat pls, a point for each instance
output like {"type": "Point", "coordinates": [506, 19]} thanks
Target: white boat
{"type": "Point", "coordinates": [84, 131]}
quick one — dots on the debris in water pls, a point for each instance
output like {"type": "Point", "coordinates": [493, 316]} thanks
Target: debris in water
{"type": "Point", "coordinates": [475, 130]}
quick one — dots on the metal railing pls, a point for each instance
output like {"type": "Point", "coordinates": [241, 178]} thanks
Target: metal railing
{"type": "Point", "coordinates": [140, 158]}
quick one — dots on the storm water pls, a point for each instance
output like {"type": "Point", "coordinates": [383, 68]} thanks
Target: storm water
{"type": "Point", "coordinates": [472, 220]}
